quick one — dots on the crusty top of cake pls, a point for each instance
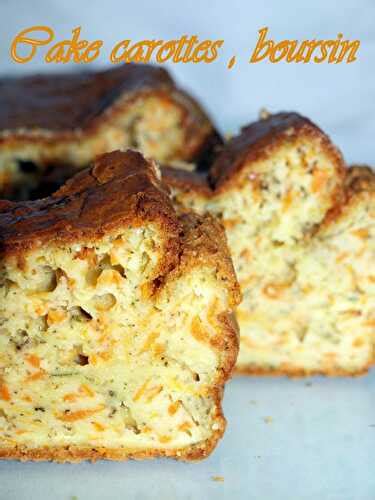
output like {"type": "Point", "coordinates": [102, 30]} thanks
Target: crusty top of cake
{"type": "Point", "coordinates": [259, 139]}
{"type": "Point", "coordinates": [360, 178]}
{"type": "Point", "coordinates": [121, 187]}
{"type": "Point", "coordinates": [67, 101]}
{"type": "Point", "coordinates": [64, 103]}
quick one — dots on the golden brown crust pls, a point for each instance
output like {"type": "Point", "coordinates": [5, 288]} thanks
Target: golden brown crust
{"type": "Point", "coordinates": [257, 142]}
{"type": "Point", "coordinates": [57, 107]}
{"type": "Point", "coordinates": [121, 187]}
{"type": "Point", "coordinates": [360, 178]}
{"type": "Point", "coordinates": [260, 139]}
{"type": "Point", "coordinates": [74, 454]}
{"type": "Point", "coordinates": [205, 242]}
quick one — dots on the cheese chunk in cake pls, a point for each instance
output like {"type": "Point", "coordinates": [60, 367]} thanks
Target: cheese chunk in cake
{"type": "Point", "coordinates": [52, 125]}
{"type": "Point", "coordinates": [116, 328]}
{"type": "Point", "coordinates": [300, 227]}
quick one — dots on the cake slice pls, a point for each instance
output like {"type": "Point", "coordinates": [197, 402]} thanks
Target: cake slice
{"type": "Point", "coordinates": [116, 326]}
{"type": "Point", "coordinates": [300, 228]}
{"type": "Point", "coordinates": [52, 124]}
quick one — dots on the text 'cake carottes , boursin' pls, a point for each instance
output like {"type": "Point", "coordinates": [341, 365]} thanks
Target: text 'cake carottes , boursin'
{"type": "Point", "coordinates": [116, 334]}
{"type": "Point", "coordinates": [53, 125]}
{"type": "Point", "coordinates": [301, 230]}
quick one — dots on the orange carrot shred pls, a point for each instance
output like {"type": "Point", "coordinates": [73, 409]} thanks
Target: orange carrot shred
{"type": "Point", "coordinates": [173, 407]}
{"type": "Point", "coordinates": [79, 414]}
{"type": "Point", "coordinates": [36, 376]}
{"type": "Point", "coordinates": [140, 391]}
{"type": "Point", "coordinates": [4, 392]}
{"type": "Point", "coordinates": [34, 360]}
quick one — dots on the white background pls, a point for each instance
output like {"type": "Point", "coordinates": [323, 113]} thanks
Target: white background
{"type": "Point", "coordinates": [321, 441]}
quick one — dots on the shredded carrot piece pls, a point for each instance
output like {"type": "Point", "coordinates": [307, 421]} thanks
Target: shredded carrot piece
{"type": "Point", "coordinates": [105, 355]}
{"type": "Point", "coordinates": [230, 223]}
{"type": "Point", "coordinates": [149, 341]}
{"type": "Point", "coordinates": [361, 233]}
{"type": "Point", "coordinates": [246, 254]}
{"type": "Point", "coordinates": [159, 349]}
{"type": "Point", "coordinates": [71, 397]}
{"type": "Point", "coordinates": [197, 331]}
{"type": "Point", "coordinates": [287, 200]}
{"type": "Point", "coordinates": [140, 391]}
{"type": "Point", "coordinates": [36, 376]}
{"type": "Point", "coordinates": [34, 360]}
{"type": "Point", "coordinates": [40, 310]}
{"type": "Point", "coordinates": [55, 316]}
{"type": "Point", "coordinates": [21, 431]}
{"type": "Point", "coordinates": [154, 391]}
{"type": "Point", "coordinates": [370, 322]}
{"type": "Point", "coordinates": [27, 399]}
{"type": "Point", "coordinates": [185, 426]}
{"type": "Point", "coordinates": [319, 179]}
{"type": "Point", "coordinates": [146, 290]}
{"type": "Point", "coordinates": [4, 392]}
{"type": "Point", "coordinates": [173, 407]}
{"type": "Point", "coordinates": [93, 359]}
{"type": "Point", "coordinates": [274, 290]}
{"type": "Point", "coordinates": [79, 414]}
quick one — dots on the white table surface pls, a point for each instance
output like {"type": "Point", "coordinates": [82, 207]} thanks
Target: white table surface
{"type": "Point", "coordinates": [320, 441]}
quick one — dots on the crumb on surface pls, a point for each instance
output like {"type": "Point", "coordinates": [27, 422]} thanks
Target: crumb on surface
{"type": "Point", "coordinates": [268, 420]}
{"type": "Point", "coordinates": [218, 479]}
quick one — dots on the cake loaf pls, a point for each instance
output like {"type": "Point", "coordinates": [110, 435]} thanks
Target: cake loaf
{"type": "Point", "coordinates": [54, 124]}
{"type": "Point", "coordinates": [301, 231]}
{"type": "Point", "coordinates": [116, 325]}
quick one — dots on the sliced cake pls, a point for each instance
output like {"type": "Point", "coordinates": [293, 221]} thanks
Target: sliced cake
{"type": "Point", "coordinates": [54, 124]}
{"type": "Point", "coordinates": [301, 230]}
{"type": "Point", "coordinates": [116, 327]}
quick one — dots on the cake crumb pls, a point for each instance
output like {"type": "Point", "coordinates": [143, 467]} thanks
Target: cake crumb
{"type": "Point", "coordinates": [264, 114]}
{"type": "Point", "coordinates": [218, 479]}
{"type": "Point", "coordinates": [268, 420]}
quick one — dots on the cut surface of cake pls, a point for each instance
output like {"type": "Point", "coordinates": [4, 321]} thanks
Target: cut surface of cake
{"type": "Point", "coordinates": [301, 230]}
{"type": "Point", "coordinates": [53, 123]}
{"type": "Point", "coordinates": [116, 325]}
